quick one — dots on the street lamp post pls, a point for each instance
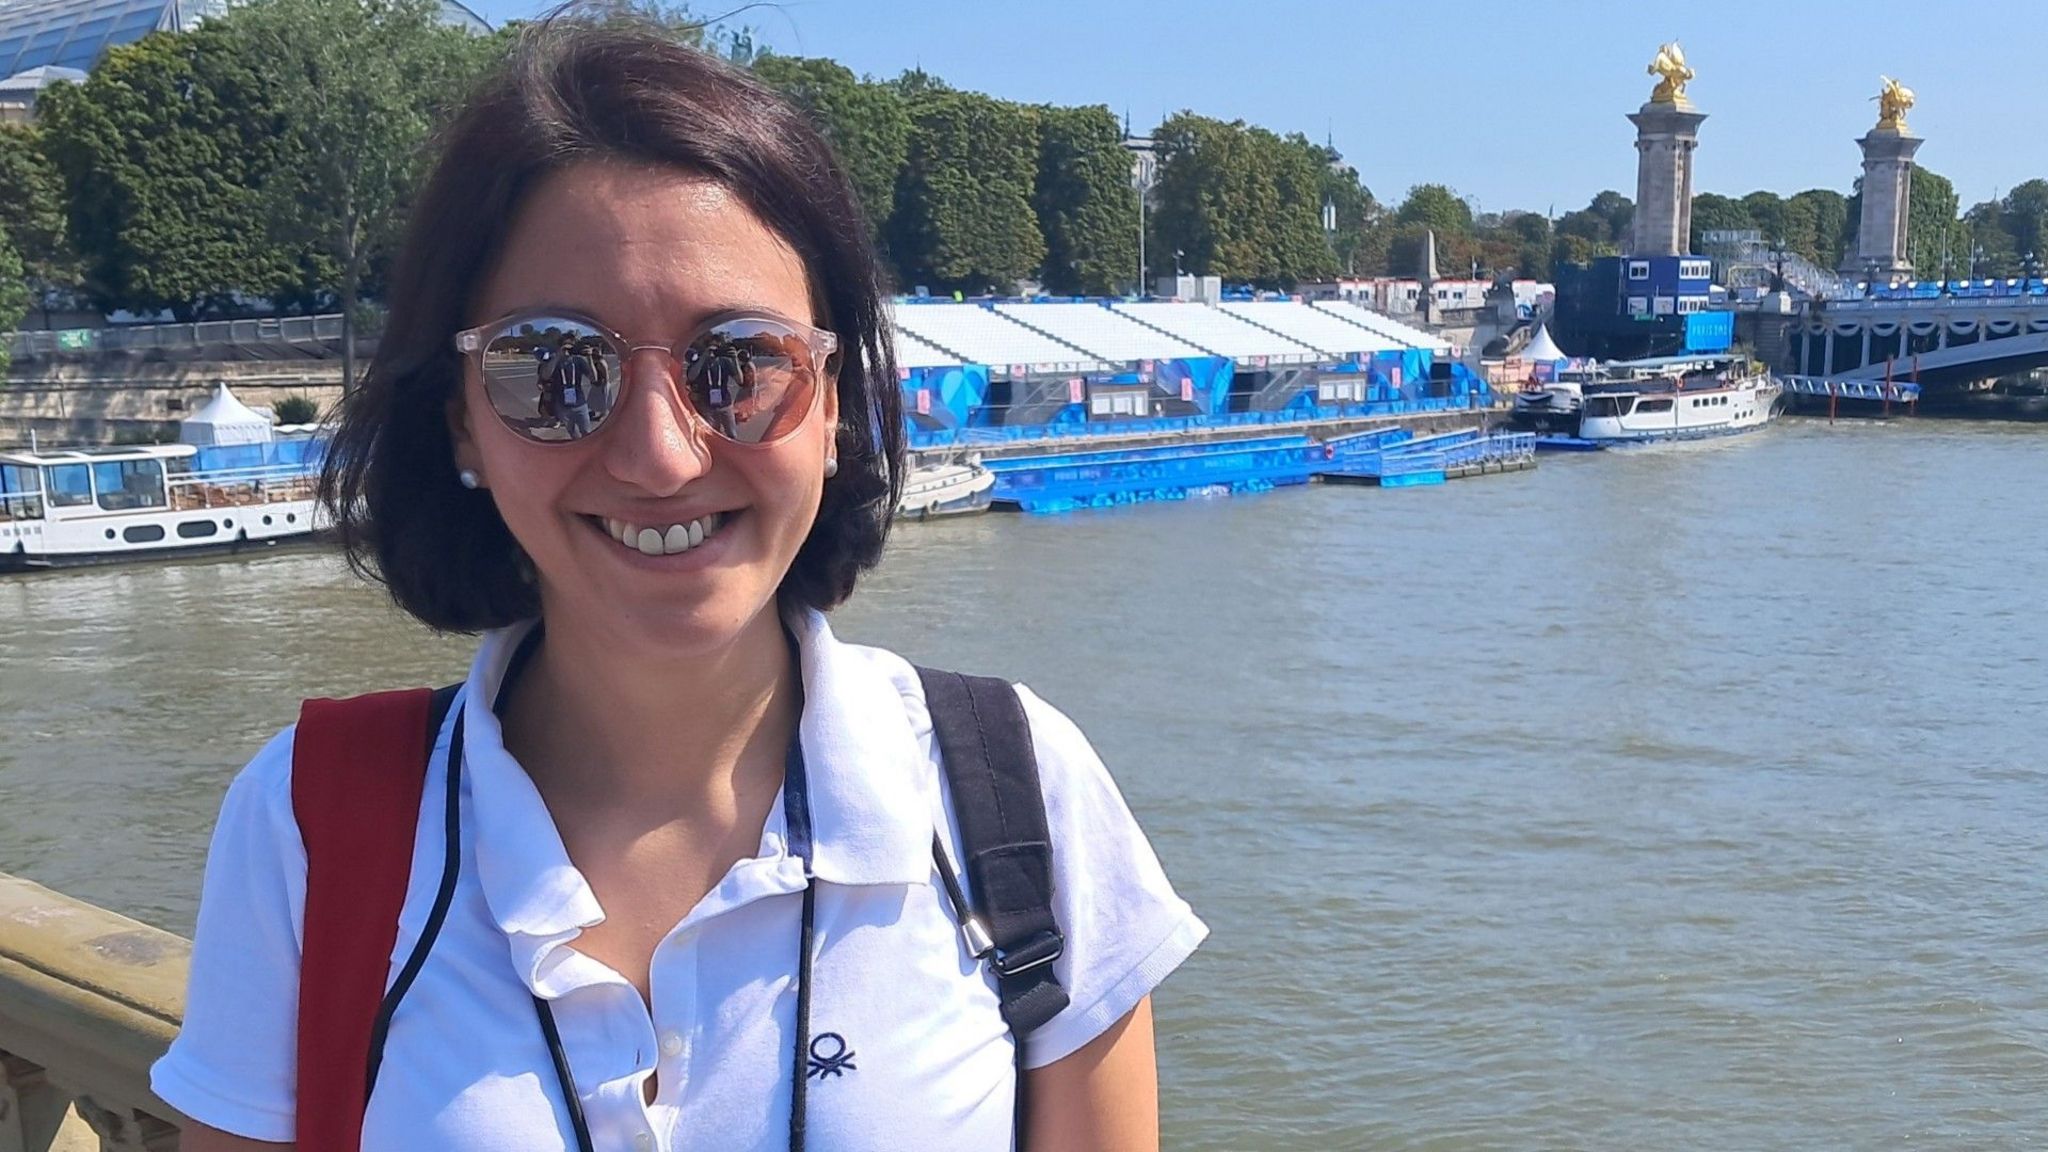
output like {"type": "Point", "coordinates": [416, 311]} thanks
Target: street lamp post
{"type": "Point", "coordinates": [1142, 171]}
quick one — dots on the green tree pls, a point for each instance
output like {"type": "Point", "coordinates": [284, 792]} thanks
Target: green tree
{"type": "Point", "coordinates": [916, 84]}
{"type": "Point", "coordinates": [1300, 172]}
{"type": "Point", "coordinates": [867, 123]}
{"type": "Point", "coordinates": [1569, 248]}
{"type": "Point", "coordinates": [162, 149]}
{"type": "Point", "coordinates": [1767, 210]}
{"type": "Point", "coordinates": [1358, 214]}
{"type": "Point", "coordinates": [1086, 207]}
{"type": "Point", "coordinates": [13, 294]}
{"type": "Point", "coordinates": [1531, 237]}
{"type": "Point", "coordinates": [1816, 223]}
{"type": "Point", "coordinates": [32, 214]}
{"type": "Point", "coordinates": [1712, 213]}
{"type": "Point", "coordinates": [1990, 248]}
{"type": "Point", "coordinates": [1240, 202]}
{"type": "Point", "coordinates": [356, 86]}
{"type": "Point", "coordinates": [1436, 207]}
{"type": "Point", "coordinates": [1937, 242]}
{"type": "Point", "coordinates": [1603, 224]}
{"type": "Point", "coordinates": [963, 217]}
{"type": "Point", "coordinates": [2025, 216]}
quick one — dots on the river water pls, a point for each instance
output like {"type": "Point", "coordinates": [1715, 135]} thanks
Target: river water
{"type": "Point", "coordinates": [1682, 798]}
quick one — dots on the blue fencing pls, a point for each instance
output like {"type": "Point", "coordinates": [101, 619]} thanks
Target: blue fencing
{"type": "Point", "coordinates": [1069, 481]}
{"type": "Point", "coordinates": [301, 451]}
{"type": "Point", "coordinates": [922, 439]}
{"type": "Point", "coordinates": [1409, 461]}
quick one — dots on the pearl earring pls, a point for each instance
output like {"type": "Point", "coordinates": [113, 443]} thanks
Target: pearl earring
{"type": "Point", "coordinates": [831, 468]}
{"type": "Point", "coordinates": [469, 479]}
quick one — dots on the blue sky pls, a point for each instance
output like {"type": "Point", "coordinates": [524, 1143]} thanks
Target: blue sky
{"type": "Point", "coordinates": [1511, 105]}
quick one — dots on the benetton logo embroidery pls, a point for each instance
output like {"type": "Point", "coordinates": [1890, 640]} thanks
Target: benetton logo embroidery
{"type": "Point", "coordinates": [830, 1056]}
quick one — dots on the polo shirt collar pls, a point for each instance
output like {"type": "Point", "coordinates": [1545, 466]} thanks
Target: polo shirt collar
{"type": "Point", "coordinates": [872, 793]}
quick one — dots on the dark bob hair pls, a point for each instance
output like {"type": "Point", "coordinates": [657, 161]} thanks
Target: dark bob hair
{"type": "Point", "coordinates": [576, 89]}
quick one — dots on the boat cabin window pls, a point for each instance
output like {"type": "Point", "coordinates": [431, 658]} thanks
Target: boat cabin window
{"type": "Point", "coordinates": [129, 484]}
{"type": "Point", "coordinates": [21, 493]}
{"type": "Point", "coordinates": [1654, 404]}
{"type": "Point", "coordinates": [68, 485]}
{"type": "Point", "coordinates": [1606, 405]}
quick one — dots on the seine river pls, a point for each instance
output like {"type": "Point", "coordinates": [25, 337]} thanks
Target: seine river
{"type": "Point", "coordinates": [1686, 798]}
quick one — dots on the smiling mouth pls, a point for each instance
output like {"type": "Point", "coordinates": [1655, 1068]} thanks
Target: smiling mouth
{"type": "Point", "coordinates": [665, 539]}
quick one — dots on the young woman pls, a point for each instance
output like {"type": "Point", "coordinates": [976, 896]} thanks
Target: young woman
{"type": "Point", "coordinates": [623, 931]}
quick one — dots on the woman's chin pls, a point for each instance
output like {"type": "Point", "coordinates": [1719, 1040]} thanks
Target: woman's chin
{"type": "Point", "coordinates": [694, 618]}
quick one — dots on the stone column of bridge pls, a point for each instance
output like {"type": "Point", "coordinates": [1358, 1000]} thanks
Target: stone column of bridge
{"type": "Point", "coordinates": [1887, 188]}
{"type": "Point", "coordinates": [1666, 135]}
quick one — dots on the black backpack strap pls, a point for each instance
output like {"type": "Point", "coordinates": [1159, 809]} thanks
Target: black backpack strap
{"type": "Point", "coordinates": [985, 742]}
{"type": "Point", "coordinates": [451, 863]}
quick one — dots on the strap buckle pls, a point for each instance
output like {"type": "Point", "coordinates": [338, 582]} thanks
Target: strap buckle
{"type": "Point", "coordinates": [1041, 949]}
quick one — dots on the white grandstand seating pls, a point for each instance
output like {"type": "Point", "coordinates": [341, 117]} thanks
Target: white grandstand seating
{"type": "Point", "coordinates": [1407, 334]}
{"type": "Point", "coordinates": [1316, 329]}
{"type": "Point", "coordinates": [985, 337]}
{"type": "Point", "coordinates": [1107, 334]}
{"type": "Point", "coordinates": [1218, 331]}
{"type": "Point", "coordinates": [914, 353]}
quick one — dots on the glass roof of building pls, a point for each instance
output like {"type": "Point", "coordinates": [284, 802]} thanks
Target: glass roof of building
{"type": "Point", "coordinates": [76, 33]}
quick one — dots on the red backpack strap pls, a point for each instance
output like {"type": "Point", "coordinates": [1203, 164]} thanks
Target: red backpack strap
{"type": "Point", "coordinates": [358, 767]}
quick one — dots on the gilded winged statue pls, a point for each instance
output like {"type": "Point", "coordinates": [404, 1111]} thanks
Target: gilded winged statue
{"type": "Point", "coordinates": [1669, 67]}
{"type": "Point", "coordinates": [1892, 102]}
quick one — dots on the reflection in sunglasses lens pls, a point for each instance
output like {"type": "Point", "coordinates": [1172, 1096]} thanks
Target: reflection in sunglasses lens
{"type": "Point", "coordinates": [750, 380]}
{"type": "Point", "coordinates": [554, 378]}
{"type": "Point", "coordinates": [551, 378]}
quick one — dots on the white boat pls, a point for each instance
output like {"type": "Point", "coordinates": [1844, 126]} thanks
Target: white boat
{"type": "Point", "coordinates": [950, 489]}
{"type": "Point", "coordinates": [1551, 400]}
{"type": "Point", "coordinates": [1552, 406]}
{"type": "Point", "coordinates": [95, 505]}
{"type": "Point", "coordinates": [1687, 402]}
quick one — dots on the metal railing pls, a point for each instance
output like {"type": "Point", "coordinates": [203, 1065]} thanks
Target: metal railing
{"type": "Point", "coordinates": [1896, 391]}
{"type": "Point", "coordinates": [984, 436]}
{"type": "Point", "coordinates": [297, 336]}
{"type": "Point", "coordinates": [1970, 302]}
{"type": "Point", "coordinates": [241, 487]}
{"type": "Point", "coordinates": [88, 1001]}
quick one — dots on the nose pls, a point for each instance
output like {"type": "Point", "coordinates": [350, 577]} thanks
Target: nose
{"type": "Point", "coordinates": [658, 446]}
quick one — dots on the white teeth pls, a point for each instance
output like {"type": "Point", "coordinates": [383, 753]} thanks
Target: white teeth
{"type": "Point", "coordinates": [657, 542]}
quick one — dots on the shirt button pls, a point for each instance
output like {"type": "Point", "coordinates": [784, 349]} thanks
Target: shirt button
{"type": "Point", "coordinates": [671, 1044]}
{"type": "Point", "coordinates": [643, 1141]}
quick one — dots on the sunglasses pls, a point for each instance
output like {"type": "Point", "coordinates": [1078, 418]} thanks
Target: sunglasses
{"type": "Point", "coordinates": [554, 376]}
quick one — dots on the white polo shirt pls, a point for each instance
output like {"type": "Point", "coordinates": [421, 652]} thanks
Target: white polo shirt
{"type": "Point", "coordinates": [923, 1060]}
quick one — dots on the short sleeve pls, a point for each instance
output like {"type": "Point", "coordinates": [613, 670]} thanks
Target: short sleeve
{"type": "Point", "coordinates": [233, 1065]}
{"type": "Point", "coordinates": [1126, 928]}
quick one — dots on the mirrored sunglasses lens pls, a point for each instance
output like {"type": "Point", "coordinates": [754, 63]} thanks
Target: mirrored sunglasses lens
{"type": "Point", "coordinates": [551, 378]}
{"type": "Point", "coordinates": [750, 379]}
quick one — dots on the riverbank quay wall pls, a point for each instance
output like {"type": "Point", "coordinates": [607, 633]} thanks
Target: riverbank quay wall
{"type": "Point", "coordinates": [88, 1001]}
{"type": "Point", "coordinates": [138, 403]}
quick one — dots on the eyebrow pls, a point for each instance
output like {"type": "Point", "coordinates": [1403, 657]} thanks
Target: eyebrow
{"type": "Point", "coordinates": [702, 317]}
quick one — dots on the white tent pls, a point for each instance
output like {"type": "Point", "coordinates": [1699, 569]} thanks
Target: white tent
{"type": "Point", "coordinates": [224, 420]}
{"type": "Point", "coordinates": [1543, 350]}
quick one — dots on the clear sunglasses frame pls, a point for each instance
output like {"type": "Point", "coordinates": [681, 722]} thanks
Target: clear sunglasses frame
{"type": "Point", "coordinates": [473, 343]}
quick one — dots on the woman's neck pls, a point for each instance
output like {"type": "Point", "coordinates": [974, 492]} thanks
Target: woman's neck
{"type": "Point", "coordinates": [611, 725]}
